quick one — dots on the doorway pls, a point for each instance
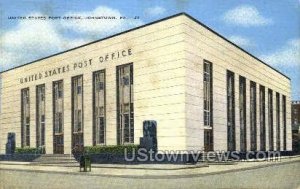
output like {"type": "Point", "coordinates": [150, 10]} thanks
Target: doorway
{"type": "Point", "coordinates": [208, 140]}
{"type": "Point", "coordinates": [58, 142]}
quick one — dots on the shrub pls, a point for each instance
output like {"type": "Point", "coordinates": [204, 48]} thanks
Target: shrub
{"type": "Point", "coordinates": [28, 150]}
{"type": "Point", "coordinates": [111, 149]}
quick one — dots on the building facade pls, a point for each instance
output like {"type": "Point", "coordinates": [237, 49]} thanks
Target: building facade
{"type": "Point", "coordinates": [205, 93]}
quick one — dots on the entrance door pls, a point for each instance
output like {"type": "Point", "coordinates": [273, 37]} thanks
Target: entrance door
{"type": "Point", "coordinates": [58, 144]}
{"type": "Point", "coordinates": [208, 140]}
{"type": "Point", "coordinates": [77, 141]}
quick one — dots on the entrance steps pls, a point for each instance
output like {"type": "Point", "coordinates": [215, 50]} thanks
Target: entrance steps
{"type": "Point", "coordinates": [55, 159]}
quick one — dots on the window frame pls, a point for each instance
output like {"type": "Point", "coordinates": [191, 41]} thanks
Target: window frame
{"type": "Point", "coordinates": [262, 117]}
{"type": "Point", "coordinates": [120, 107]}
{"type": "Point", "coordinates": [208, 94]}
{"type": "Point", "coordinates": [253, 116]}
{"type": "Point", "coordinates": [270, 119]}
{"type": "Point", "coordinates": [25, 117]}
{"type": "Point", "coordinates": [243, 112]}
{"type": "Point", "coordinates": [99, 112]}
{"type": "Point", "coordinates": [40, 124]}
{"type": "Point", "coordinates": [284, 121]}
{"type": "Point", "coordinates": [58, 117]}
{"type": "Point", "coordinates": [278, 141]}
{"type": "Point", "coordinates": [230, 88]}
{"type": "Point", "coordinates": [77, 135]}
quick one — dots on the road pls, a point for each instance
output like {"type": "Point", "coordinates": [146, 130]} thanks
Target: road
{"type": "Point", "coordinates": [276, 176]}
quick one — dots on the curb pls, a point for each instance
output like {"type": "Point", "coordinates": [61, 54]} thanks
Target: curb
{"type": "Point", "coordinates": [99, 166]}
{"type": "Point", "coordinates": [152, 176]}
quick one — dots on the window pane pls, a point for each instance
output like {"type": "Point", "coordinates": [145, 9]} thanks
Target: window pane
{"type": "Point", "coordinates": [125, 131]}
{"type": "Point", "coordinates": [99, 108]}
{"type": "Point", "coordinates": [270, 115]}
{"type": "Point", "coordinates": [77, 111]}
{"type": "Point", "coordinates": [230, 112]}
{"type": "Point", "coordinates": [207, 95]}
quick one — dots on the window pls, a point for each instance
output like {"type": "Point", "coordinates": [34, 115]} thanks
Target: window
{"type": "Point", "coordinates": [253, 116]}
{"type": "Point", "coordinates": [25, 117]}
{"type": "Point", "coordinates": [270, 121]}
{"type": "Point", "coordinates": [100, 86]}
{"type": "Point", "coordinates": [207, 105]}
{"type": "Point", "coordinates": [207, 93]}
{"type": "Point", "coordinates": [262, 117]}
{"type": "Point", "coordinates": [58, 107]}
{"type": "Point", "coordinates": [284, 121]}
{"type": "Point", "coordinates": [99, 107]}
{"type": "Point", "coordinates": [77, 111]}
{"type": "Point", "coordinates": [58, 123]}
{"type": "Point", "coordinates": [60, 90]}
{"type": "Point", "coordinates": [40, 115]}
{"type": "Point", "coordinates": [78, 89]}
{"type": "Point", "coordinates": [125, 111]}
{"type": "Point", "coordinates": [79, 121]}
{"type": "Point", "coordinates": [126, 80]}
{"type": "Point", "coordinates": [230, 111]}
{"type": "Point", "coordinates": [242, 107]}
{"type": "Point", "coordinates": [277, 122]}
{"type": "Point", "coordinates": [58, 118]}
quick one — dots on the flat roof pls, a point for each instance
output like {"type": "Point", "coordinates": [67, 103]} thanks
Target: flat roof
{"type": "Point", "coordinates": [154, 22]}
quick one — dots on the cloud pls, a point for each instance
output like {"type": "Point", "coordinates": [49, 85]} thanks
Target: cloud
{"type": "Point", "coordinates": [30, 40]}
{"type": "Point", "coordinates": [241, 41]}
{"type": "Point", "coordinates": [245, 16]}
{"type": "Point", "coordinates": [289, 55]}
{"type": "Point", "coordinates": [33, 39]}
{"type": "Point", "coordinates": [155, 11]}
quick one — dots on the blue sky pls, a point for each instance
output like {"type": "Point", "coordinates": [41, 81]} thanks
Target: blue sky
{"type": "Point", "coordinates": [270, 30]}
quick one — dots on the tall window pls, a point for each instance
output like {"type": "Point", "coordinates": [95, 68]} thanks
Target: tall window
{"type": "Point", "coordinates": [125, 117]}
{"type": "Point", "coordinates": [77, 111]}
{"type": "Point", "coordinates": [262, 120]}
{"type": "Point", "coordinates": [277, 121]}
{"type": "Point", "coordinates": [253, 115]}
{"type": "Point", "coordinates": [58, 122]}
{"type": "Point", "coordinates": [208, 111]}
{"type": "Point", "coordinates": [230, 111]}
{"type": "Point", "coordinates": [242, 106]}
{"type": "Point", "coordinates": [25, 116]}
{"type": "Point", "coordinates": [284, 121]}
{"type": "Point", "coordinates": [40, 115]}
{"type": "Point", "coordinates": [207, 93]}
{"type": "Point", "coordinates": [99, 107]}
{"type": "Point", "coordinates": [270, 115]}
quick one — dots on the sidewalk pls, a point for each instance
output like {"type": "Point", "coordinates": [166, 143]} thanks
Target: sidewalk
{"type": "Point", "coordinates": [145, 170]}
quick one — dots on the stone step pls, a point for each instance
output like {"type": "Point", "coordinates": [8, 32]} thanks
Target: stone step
{"type": "Point", "coordinates": [55, 158]}
{"type": "Point", "coordinates": [41, 158]}
{"type": "Point", "coordinates": [55, 155]}
{"type": "Point", "coordinates": [54, 162]}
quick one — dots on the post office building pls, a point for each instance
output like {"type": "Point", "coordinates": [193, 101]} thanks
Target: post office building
{"type": "Point", "coordinates": [203, 91]}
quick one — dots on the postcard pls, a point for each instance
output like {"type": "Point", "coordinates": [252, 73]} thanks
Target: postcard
{"type": "Point", "coordinates": [149, 94]}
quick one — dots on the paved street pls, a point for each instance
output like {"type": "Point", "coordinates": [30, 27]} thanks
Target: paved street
{"type": "Point", "coordinates": [275, 176]}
